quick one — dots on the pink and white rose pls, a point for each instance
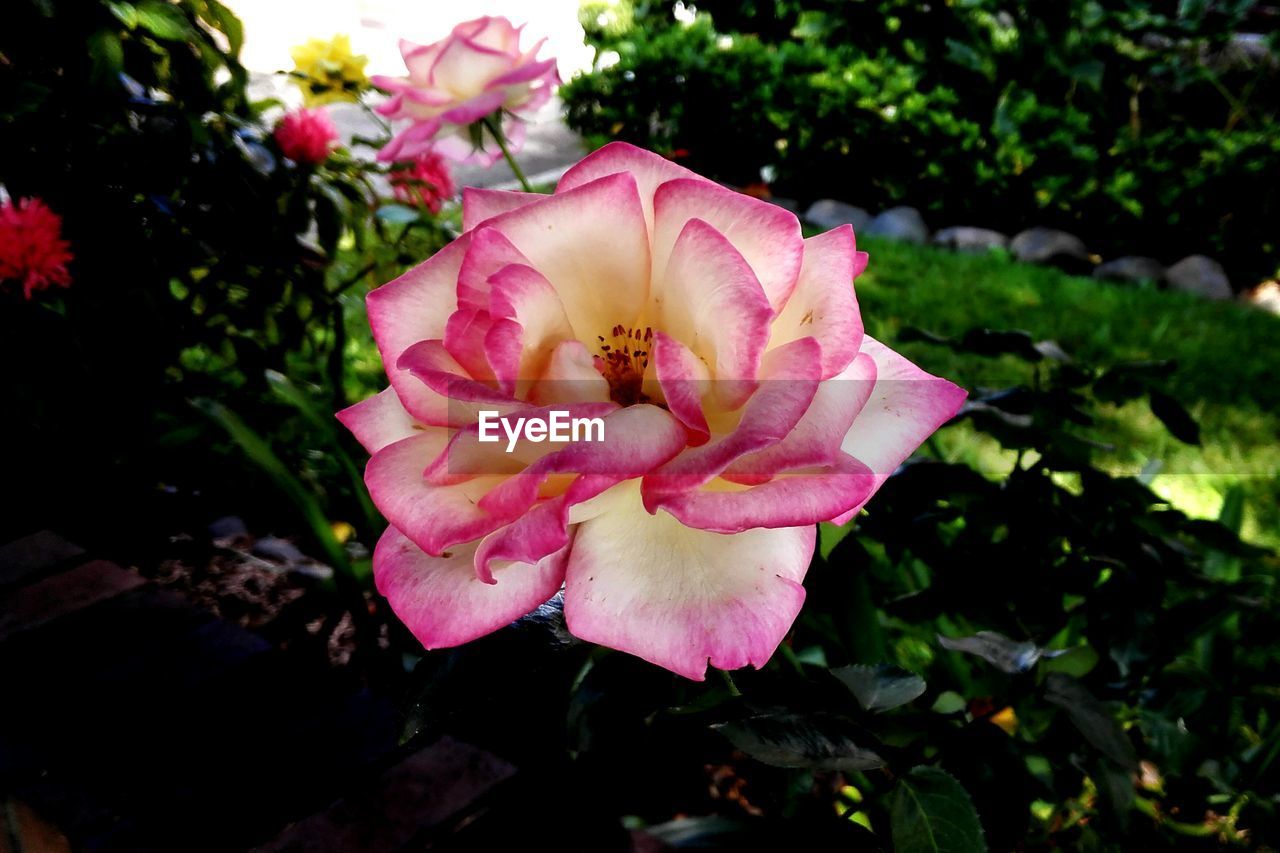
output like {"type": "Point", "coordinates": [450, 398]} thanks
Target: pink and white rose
{"type": "Point", "coordinates": [742, 404]}
{"type": "Point", "coordinates": [478, 70]}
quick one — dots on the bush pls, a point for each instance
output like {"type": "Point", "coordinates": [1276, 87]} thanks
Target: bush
{"type": "Point", "coordinates": [1139, 126]}
{"type": "Point", "coordinates": [203, 257]}
{"type": "Point", "coordinates": [1054, 660]}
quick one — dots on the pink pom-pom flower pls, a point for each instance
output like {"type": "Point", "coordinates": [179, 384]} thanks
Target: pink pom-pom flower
{"type": "Point", "coordinates": [307, 135]}
{"type": "Point", "coordinates": [32, 250]}
{"type": "Point", "coordinates": [425, 183]}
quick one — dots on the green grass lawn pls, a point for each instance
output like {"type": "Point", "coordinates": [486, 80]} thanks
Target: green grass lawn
{"type": "Point", "coordinates": [1227, 357]}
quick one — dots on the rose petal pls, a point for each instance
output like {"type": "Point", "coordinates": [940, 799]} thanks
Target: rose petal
{"type": "Point", "coordinates": [489, 252]}
{"type": "Point", "coordinates": [684, 380]}
{"type": "Point", "coordinates": [465, 66]}
{"type": "Point", "coordinates": [413, 308]}
{"type": "Point", "coordinates": [411, 143]}
{"type": "Point", "coordinates": [479, 204]}
{"type": "Point", "coordinates": [649, 170]}
{"type": "Point", "coordinates": [710, 300]}
{"type": "Point", "coordinates": [636, 440]}
{"type": "Point", "coordinates": [570, 377]}
{"type": "Point", "coordinates": [529, 321]}
{"type": "Point", "coordinates": [524, 72]}
{"type": "Point", "coordinates": [432, 364]}
{"type": "Point", "coordinates": [378, 421]}
{"type": "Point", "coordinates": [680, 597]}
{"type": "Point", "coordinates": [544, 529]}
{"type": "Point", "coordinates": [906, 406]}
{"type": "Point", "coordinates": [444, 603]}
{"type": "Point", "coordinates": [473, 109]}
{"type": "Point", "coordinates": [824, 306]}
{"type": "Point", "coordinates": [789, 380]}
{"type": "Point", "coordinates": [434, 517]}
{"type": "Point", "coordinates": [591, 244]}
{"type": "Point", "coordinates": [464, 337]}
{"type": "Point", "coordinates": [788, 500]}
{"type": "Point", "coordinates": [491, 31]}
{"type": "Point", "coordinates": [816, 438]}
{"type": "Point", "coordinates": [767, 236]}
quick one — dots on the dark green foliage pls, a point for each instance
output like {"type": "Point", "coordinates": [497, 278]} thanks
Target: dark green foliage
{"type": "Point", "coordinates": [1136, 124]}
{"type": "Point", "coordinates": [1058, 659]}
{"type": "Point", "coordinates": [931, 813]}
{"type": "Point", "coordinates": [203, 259]}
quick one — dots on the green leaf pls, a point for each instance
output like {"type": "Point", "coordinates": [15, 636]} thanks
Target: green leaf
{"type": "Point", "coordinates": [949, 702]}
{"type": "Point", "coordinates": [1076, 662]}
{"type": "Point", "coordinates": [398, 214]}
{"type": "Point", "coordinates": [286, 390]}
{"type": "Point", "coordinates": [817, 741]}
{"type": "Point", "coordinates": [125, 13]}
{"type": "Point", "coordinates": [261, 454]}
{"type": "Point", "coordinates": [223, 19]}
{"type": "Point", "coordinates": [163, 20]}
{"type": "Point", "coordinates": [1091, 718]}
{"type": "Point", "coordinates": [700, 833]}
{"type": "Point", "coordinates": [1011, 656]}
{"type": "Point", "coordinates": [881, 687]}
{"type": "Point", "coordinates": [858, 620]}
{"type": "Point", "coordinates": [106, 54]}
{"type": "Point", "coordinates": [1175, 418]}
{"type": "Point", "coordinates": [1192, 10]}
{"type": "Point", "coordinates": [328, 218]}
{"type": "Point", "coordinates": [1231, 516]}
{"type": "Point", "coordinates": [930, 812]}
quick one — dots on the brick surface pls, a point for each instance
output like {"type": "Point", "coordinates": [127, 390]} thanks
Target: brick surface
{"type": "Point", "coordinates": [33, 554]}
{"type": "Point", "coordinates": [423, 791]}
{"type": "Point", "coordinates": [42, 601]}
{"type": "Point", "coordinates": [133, 720]}
{"type": "Point", "coordinates": [143, 720]}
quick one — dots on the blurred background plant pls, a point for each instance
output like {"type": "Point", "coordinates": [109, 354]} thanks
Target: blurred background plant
{"type": "Point", "coordinates": [209, 252]}
{"type": "Point", "coordinates": [1140, 125]}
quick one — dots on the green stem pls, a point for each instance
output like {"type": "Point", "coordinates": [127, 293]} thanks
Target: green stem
{"type": "Point", "coordinates": [382, 123]}
{"type": "Point", "coordinates": [729, 683]}
{"type": "Point", "coordinates": [337, 355]}
{"type": "Point", "coordinates": [492, 122]}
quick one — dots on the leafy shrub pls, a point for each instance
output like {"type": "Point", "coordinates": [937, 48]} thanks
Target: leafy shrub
{"type": "Point", "coordinates": [203, 258]}
{"type": "Point", "coordinates": [1054, 660]}
{"type": "Point", "coordinates": [1140, 126]}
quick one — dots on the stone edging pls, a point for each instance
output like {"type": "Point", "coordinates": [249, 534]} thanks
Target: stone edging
{"type": "Point", "coordinates": [1195, 274]}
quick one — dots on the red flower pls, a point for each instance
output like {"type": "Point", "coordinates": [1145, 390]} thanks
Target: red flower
{"type": "Point", "coordinates": [424, 183]}
{"type": "Point", "coordinates": [32, 250]}
{"type": "Point", "coordinates": [306, 136]}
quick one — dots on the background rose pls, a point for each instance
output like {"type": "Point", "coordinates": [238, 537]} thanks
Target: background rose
{"type": "Point", "coordinates": [306, 135]}
{"type": "Point", "coordinates": [328, 71]}
{"type": "Point", "coordinates": [476, 71]}
{"type": "Point", "coordinates": [426, 182]}
{"type": "Point", "coordinates": [742, 404]}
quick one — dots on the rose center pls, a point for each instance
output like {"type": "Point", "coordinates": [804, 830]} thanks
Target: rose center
{"type": "Point", "coordinates": [623, 358]}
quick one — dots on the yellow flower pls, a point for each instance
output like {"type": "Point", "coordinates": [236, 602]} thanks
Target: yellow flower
{"type": "Point", "coordinates": [327, 71]}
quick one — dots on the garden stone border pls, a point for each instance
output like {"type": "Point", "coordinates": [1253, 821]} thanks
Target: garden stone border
{"type": "Point", "coordinates": [1200, 275]}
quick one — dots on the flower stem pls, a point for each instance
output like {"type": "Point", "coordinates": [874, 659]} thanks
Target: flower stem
{"type": "Point", "coordinates": [494, 124]}
{"type": "Point", "coordinates": [729, 683]}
